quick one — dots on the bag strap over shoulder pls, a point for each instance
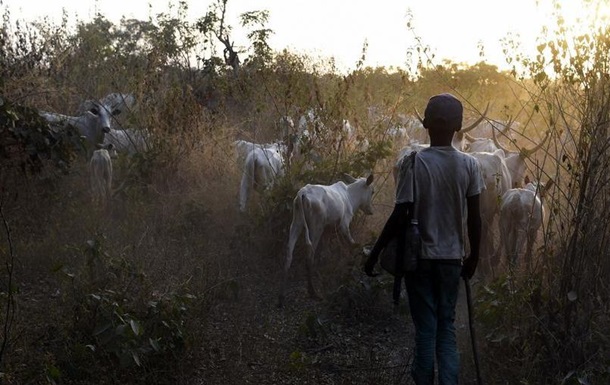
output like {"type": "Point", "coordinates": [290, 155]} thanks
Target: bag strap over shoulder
{"type": "Point", "coordinates": [407, 164]}
{"type": "Point", "coordinates": [414, 218]}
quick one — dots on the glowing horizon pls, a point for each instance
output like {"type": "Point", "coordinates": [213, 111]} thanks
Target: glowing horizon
{"type": "Point", "coordinates": [454, 32]}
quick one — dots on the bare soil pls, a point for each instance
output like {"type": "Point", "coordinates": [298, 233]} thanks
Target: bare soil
{"type": "Point", "coordinates": [355, 335]}
{"type": "Point", "coordinates": [239, 334]}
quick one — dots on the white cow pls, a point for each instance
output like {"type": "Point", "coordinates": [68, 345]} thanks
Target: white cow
{"type": "Point", "coordinates": [310, 131]}
{"type": "Point", "coordinates": [521, 216]}
{"type": "Point", "coordinates": [348, 130]}
{"type": "Point", "coordinates": [310, 124]}
{"type": "Point", "coordinates": [398, 135]}
{"type": "Point", "coordinates": [262, 167]}
{"type": "Point", "coordinates": [515, 160]}
{"type": "Point", "coordinates": [487, 128]}
{"type": "Point", "coordinates": [129, 141]}
{"type": "Point", "coordinates": [408, 149]}
{"type": "Point", "coordinates": [479, 144]}
{"type": "Point", "coordinates": [497, 181]}
{"type": "Point", "coordinates": [317, 206]}
{"type": "Point", "coordinates": [100, 174]}
{"type": "Point", "coordinates": [244, 147]}
{"type": "Point", "coordinates": [95, 117]}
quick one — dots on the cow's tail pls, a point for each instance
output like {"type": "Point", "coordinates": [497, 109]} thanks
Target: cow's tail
{"type": "Point", "coordinates": [304, 202]}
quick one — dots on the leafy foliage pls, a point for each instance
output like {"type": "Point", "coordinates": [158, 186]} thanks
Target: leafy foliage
{"type": "Point", "coordinates": [563, 302]}
{"type": "Point", "coordinates": [135, 326]}
{"type": "Point", "coordinates": [549, 323]}
{"type": "Point", "coordinates": [136, 339]}
{"type": "Point", "coordinates": [27, 141]}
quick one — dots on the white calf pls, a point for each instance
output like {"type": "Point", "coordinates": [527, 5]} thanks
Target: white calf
{"type": "Point", "coordinates": [521, 215]}
{"type": "Point", "coordinates": [100, 173]}
{"type": "Point", "coordinates": [317, 206]}
{"type": "Point", "coordinates": [262, 167]}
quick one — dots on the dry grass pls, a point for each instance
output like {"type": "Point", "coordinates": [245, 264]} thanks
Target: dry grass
{"type": "Point", "coordinates": [172, 236]}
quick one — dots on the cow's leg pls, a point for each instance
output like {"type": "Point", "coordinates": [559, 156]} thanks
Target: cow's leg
{"type": "Point", "coordinates": [505, 243]}
{"type": "Point", "coordinates": [263, 177]}
{"type": "Point", "coordinates": [531, 238]}
{"type": "Point", "coordinates": [486, 250]}
{"type": "Point", "coordinates": [344, 227]}
{"type": "Point", "coordinates": [315, 232]}
{"type": "Point", "coordinates": [515, 240]}
{"type": "Point", "coordinates": [246, 183]}
{"type": "Point", "coordinates": [295, 231]}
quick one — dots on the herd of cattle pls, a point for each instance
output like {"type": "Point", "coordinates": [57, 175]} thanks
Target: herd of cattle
{"type": "Point", "coordinates": [102, 142]}
{"type": "Point", "coordinates": [510, 200]}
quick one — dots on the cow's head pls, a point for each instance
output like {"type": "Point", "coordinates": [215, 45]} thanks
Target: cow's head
{"type": "Point", "coordinates": [99, 114]}
{"type": "Point", "coordinates": [515, 160]}
{"type": "Point", "coordinates": [361, 193]}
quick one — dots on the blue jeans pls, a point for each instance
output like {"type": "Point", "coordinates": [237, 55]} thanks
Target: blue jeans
{"type": "Point", "coordinates": [433, 292]}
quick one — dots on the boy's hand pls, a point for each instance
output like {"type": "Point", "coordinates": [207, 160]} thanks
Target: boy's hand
{"type": "Point", "coordinates": [469, 267]}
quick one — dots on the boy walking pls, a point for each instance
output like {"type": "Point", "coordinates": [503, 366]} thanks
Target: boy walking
{"type": "Point", "coordinates": [444, 199]}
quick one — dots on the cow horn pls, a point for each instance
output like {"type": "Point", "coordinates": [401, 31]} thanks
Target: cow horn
{"type": "Point", "coordinates": [476, 122]}
{"type": "Point", "coordinates": [527, 152]}
{"type": "Point", "coordinates": [495, 139]}
{"type": "Point", "coordinates": [547, 186]}
{"type": "Point", "coordinates": [421, 120]}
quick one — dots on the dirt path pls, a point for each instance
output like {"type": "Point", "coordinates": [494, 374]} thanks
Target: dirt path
{"type": "Point", "coordinates": [354, 335]}
{"type": "Point", "coordinates": [327, 342]}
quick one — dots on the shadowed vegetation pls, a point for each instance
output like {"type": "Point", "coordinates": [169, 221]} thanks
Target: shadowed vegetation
{"type": "Point", "coordinates": [170, 284]}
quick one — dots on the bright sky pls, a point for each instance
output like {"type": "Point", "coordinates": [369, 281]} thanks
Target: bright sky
{"type": "Point", "coordinates": [339, 28]}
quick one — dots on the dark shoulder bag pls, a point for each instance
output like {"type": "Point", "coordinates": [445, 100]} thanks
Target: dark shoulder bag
{"type": "Point", "coordinates": [390, 259]}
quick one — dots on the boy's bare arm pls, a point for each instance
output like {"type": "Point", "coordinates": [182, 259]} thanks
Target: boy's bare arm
{"type": "Point", "coordinates": [474, 236]}
{"type": "Point", "coordinates": [399, 218]}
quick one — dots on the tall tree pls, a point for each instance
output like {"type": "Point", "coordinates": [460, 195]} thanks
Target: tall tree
{"type": "Point", "coordinates": [214, 23]}
{"type": "Point", "coordinates": [215, 26]}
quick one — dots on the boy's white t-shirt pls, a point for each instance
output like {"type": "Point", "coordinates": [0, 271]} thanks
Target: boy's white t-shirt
{"type": "Point", "coordinates": [445, 177]}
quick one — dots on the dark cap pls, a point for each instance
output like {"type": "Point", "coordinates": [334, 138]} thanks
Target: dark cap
{"type": "Point", "coordinates": [443, 110]}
